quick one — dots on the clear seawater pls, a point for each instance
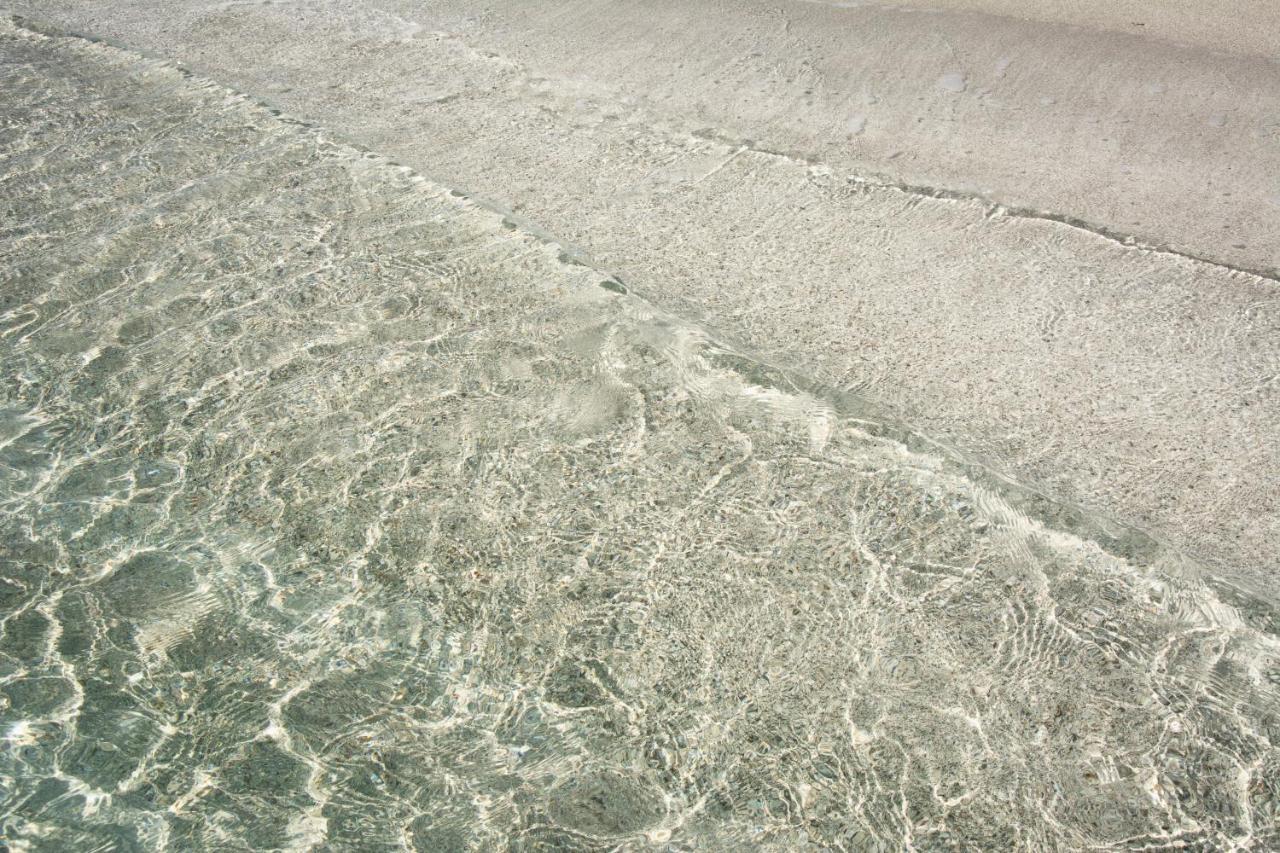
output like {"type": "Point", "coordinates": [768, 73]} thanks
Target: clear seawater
{"type": "Point", "coordinates": [339, 513]}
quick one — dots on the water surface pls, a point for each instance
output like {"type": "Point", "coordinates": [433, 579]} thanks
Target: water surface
{"type": "Point", "coordinates": [337, 512]}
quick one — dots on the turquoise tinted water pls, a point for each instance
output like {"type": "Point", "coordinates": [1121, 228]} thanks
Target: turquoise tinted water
{"type": "Point", "coordinates": [338, 513]}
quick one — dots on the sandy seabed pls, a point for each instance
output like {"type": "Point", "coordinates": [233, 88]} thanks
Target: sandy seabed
{"type": "Point", "coordinates": [598, 426]}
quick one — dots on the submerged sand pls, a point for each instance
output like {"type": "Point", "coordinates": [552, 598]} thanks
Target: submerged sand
{"type": "Point", "coordinates": [340, 511]}
{"type": "Point", "coordinates": [814, 427]}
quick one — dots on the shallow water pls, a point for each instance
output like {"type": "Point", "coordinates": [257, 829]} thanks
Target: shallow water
{"type": "Point", "coordinates": [338, 512]}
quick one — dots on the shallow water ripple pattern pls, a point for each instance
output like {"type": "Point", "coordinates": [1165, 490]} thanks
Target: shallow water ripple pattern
{"type": "Point", "coordinates": [338, 513]}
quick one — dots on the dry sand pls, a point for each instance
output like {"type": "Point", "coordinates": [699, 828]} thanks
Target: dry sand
{"type": "Point", "coordinates": [1243, 27]}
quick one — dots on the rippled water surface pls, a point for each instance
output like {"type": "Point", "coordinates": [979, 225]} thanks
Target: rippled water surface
{"type": "Point", "coordinates": [336, 512]}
